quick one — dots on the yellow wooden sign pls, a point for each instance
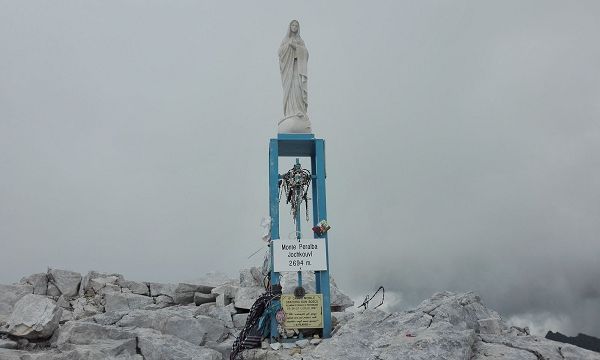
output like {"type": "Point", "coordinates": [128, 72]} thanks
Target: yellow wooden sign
{"type": "Point", "coordinates": [303, 313]}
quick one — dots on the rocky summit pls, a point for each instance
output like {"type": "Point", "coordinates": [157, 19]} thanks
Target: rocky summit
{"type": "Point", "coordinates": [61, 315]}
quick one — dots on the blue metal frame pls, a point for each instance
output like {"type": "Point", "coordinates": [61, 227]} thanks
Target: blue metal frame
{"type": "Point", "coordinates": [304, 145]}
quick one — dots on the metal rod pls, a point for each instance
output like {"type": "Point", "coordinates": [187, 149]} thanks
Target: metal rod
{"type": "Point", "coordinates": [298, 219]}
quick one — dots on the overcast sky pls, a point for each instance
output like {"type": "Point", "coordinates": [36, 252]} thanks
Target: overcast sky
{"type": "Point", "coordinates": [463, 143]}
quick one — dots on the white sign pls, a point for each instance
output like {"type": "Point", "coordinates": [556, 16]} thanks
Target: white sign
{"type": "Point", "coordinates": [303, 255]}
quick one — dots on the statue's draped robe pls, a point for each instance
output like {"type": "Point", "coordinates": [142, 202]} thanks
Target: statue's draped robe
{"type": "Point", "coordinates": [293, 65]}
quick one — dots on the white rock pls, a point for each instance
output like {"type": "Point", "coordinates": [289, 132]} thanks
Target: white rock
{"type": "Point", "coordinates": [66, 281]}
{"type": "Point", "coordinates": [34, 317]}
{"type": "Point", "coordinates": [86, 306]}
{"type": "Point", "coordinates": [63, 303]}
{"type": "Point", "coordinates": [222, 300]}
{"type": "Point", "coordinates": [157, 289]}
{"type": "Point", "coordinates": [239, 320]}
{"type": "Point", "coordinates": [53, 290]}
{"type": "Point", "coordinates": [315, 341]}
{"type": "Point", "coordinates": [100, 350]}
{"type": "Point", "coordinates": [228, 290]}
{"type": "Point", "coordinates": [10, 354]}
{"type": "Point", "coordinates": [87, 340]}
{"type": "Point", "coordinates": [485, 351]}
{"type": "Point", "coordinates": [38, 281]}
{"type": "Point", "coordinates": [67, 315]}
{"type": "Point", "coordinates": [250, 277]}
{"type": "Point", "coordinates": [542, 348]}
{"type": "Point", "coordinates": [340, 318]}
{"type": "Point", "coordinates": [97, 279]}
{"type": "Point", "coordinates": [109, 289]}
{"type": "Point", "coordinates": [184, 293]}
{"type": "Point", "coordinates": [108, 318]}
{"type": "Point", "coordinates": [7, 344]}
{"type": "Point", "coordinates": [302, 343]}
{"type": "Point", "coordinates": [201, 298]}
{"type": "Point", "coordinates": [84, 333]}
{"type": "Point", "coordinates": [135, 287]}
{"type": "Point", "coordinates": [490, 326]}
{"type": "Point", "coordinates": [246, 296]}
{"type": "Point", "coordinates": [164, 301]}
{"type": "Point", "coordinates": [156, 346]}
{"type": "Point", "coordinates": [9, 295]}
{"type": "Point", "coordinates": [287, 345]}
{"type": "Point", "coordinates": [217, 312]}
{"type": "Point", "coordinates": [124, 302]}
{"type": "Point", "coordinates": [275, 346]}
{"type": "Point", "coordinates": [100, 282]}
{"type": "Point", "coordinates": [179, 322]}
{"type": "Point", "coordinates": [225, 294]}
{"type": "Point", "coordinates": [223, 347]}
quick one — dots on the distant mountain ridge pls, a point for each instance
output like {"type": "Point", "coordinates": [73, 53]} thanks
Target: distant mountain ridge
{"type": "Point", "coordinates": [581, 340]}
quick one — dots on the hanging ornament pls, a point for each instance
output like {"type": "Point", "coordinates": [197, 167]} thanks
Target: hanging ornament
{"type": "Point", "coordinates": [295, 184]}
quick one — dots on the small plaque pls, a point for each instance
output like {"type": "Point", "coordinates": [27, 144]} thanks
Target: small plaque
{"type": "Point", "coordinates": [303, 313]}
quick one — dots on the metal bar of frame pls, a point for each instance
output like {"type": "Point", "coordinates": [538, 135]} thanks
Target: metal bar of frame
{"type": "Point", "coordinates": [301, 145]}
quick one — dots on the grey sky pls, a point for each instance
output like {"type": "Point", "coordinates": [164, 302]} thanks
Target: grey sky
{"type": "Point", "coordinates": [463, 143]}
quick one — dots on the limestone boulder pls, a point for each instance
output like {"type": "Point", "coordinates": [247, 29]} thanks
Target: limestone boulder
{"type": "Point", "coordinates": [107, 318]}
{"type": "Point", "coordinates": [179, 322]}
{"type": "Point", "coordinates": [239, 320]}
{"type": "Point", "coordinates": [156, 346]}
{"type": "Point", "coordinates": [86, 306]}
{"type": "Point", "coordinates": [221, 313]}
{"type": "Point", "coordinates": [184, 293]}
{"type": "Point", "coordinates": [9, 295]}
{"type": "Point", "coordinates": [246, 296]}
{"type": "Point", "coordinates": [88, 340]}
{"type": "Point", "coordinates": [201, 298]}
{"type": "Point", "coordinates": [67, 315]}
{"type": "Point", "coordinates": [67, 282]}
{"type": "Point", "coordinates": [7, 344]}
{"type": "Point", "coordinates": [339, 300]}
{"type": "Point", "coordinates": [115, 302]}
{"type": "Point", "coordinates": [522, 347]}
{"type": "Point", "coordinates": [104, 285]}
{"type": "Point", "coordinates": [491, 326]}
{"type": "Point", "coordinates": [10, 354]}
{"type": "Point", "coordinates": [251, 277]}
{"type": "Point", "coordinates": [38, 281]}
{"type": "Point", "coordinates": [135, 287]}
{"type": "Point", "coordinates": [377, 334]}
{"type": "Point", "coordinates": [223, 347]}
{"type": "Point", "coordinates": [157, 289]}
{"type": "Point", "coordinates": [34, 317]}
{"type": "Point", "coordinates": [100, 350]}
{"type": "Point", "coordinates": [52, 290]}
{"type": "Point", "coordinates": [463, 310]}
{"type": "Point", "coordinates": [85, 333]}
{"type": "Point", "coordinates": [93, 281]}
{"type": "Point", "coordinates": [225, 294]}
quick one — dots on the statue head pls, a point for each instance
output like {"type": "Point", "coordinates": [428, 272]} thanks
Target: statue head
{"type": "Point", "coordinates": [294, 28]}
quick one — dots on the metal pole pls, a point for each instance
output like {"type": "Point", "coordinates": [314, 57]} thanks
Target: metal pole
{"type": "Point", "coordinates": [298, 219]}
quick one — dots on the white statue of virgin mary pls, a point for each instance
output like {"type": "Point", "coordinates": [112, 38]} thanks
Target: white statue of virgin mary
{"type": "Point", "coordinates": [293, 58]}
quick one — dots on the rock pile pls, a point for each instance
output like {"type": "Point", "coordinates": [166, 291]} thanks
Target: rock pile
{"type": "Point", "coordinates": [61, 315]}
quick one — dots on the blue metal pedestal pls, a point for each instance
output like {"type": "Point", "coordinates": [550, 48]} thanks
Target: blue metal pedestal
{"type": "Point", "coordinates": [301, 145]}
